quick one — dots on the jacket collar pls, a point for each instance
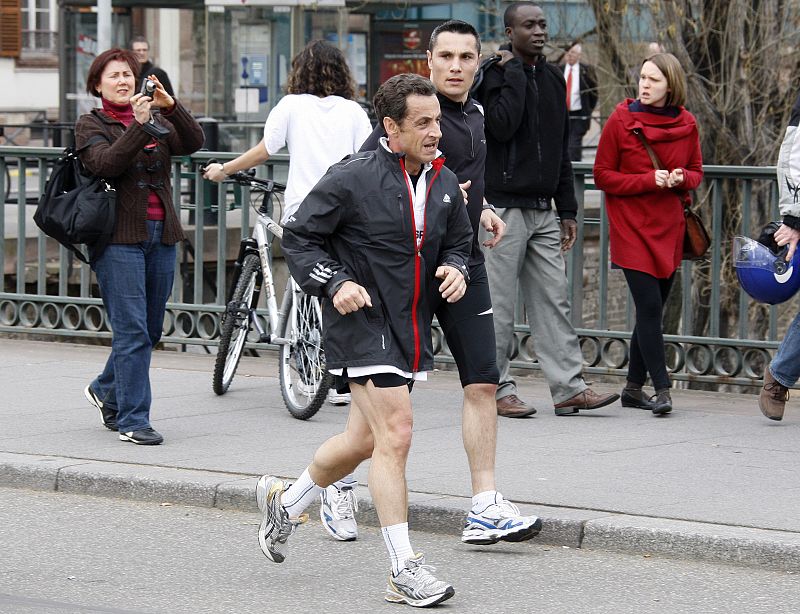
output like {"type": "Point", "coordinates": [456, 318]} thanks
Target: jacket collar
{"type": "Point", "coordinates": [444, 101]}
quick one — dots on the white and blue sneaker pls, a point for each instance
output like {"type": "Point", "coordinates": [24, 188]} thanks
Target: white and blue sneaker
{"type": "Point", "coordinates": [499, 521]}
{"type": "Point", "coordinates": [337, 512]}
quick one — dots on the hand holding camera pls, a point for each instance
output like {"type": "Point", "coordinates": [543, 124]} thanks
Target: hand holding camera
{"type": "Point", "coordinates": [151, 95]}
{"type": "Point", "coordinates": [152, 88]}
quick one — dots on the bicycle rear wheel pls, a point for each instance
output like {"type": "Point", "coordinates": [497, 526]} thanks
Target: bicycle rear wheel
{"type": "Point", "coordinates": [236, 324]}
{"type": "Point", "coordinates": [303, 378]}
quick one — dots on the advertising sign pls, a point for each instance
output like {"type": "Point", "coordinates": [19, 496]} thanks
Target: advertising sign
{"type": "Point", "coordinates": [399, 47]}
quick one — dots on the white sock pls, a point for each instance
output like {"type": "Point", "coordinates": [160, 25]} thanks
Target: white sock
{"type": "Point", "coordinates": [484, 499]}
{"type": "Point", "coordinates": [300, 495]}
{"type": "Point", "coordinates": [398, 545]}
{"type": "Point", "coordinates": [348, 481]}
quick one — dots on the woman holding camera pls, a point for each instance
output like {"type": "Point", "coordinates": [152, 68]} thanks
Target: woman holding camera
{"type": "Point", "coordinates": [131, 148]}
{"type": "Point", "coordinates": [645, 210]}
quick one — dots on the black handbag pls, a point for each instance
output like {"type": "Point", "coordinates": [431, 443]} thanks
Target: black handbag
{"type": "Point", "coordinates": [696, 240]}
{"type": "Point", "coordinates": [77, 208]}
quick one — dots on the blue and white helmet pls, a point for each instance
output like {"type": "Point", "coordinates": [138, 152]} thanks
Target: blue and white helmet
{"type": "Point", "coordinates": [763, 273]}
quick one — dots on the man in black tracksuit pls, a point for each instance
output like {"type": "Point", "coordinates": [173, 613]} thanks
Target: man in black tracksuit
{"type": "Point", "coordinates": [453, 57]}
{"type": "Point", "coordinates": [528, 166]}
{"type": "Point", "coordinates": [376, 233]}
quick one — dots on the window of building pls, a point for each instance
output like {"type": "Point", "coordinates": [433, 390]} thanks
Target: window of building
{"type": "Point", "coordinates": [39, 28]}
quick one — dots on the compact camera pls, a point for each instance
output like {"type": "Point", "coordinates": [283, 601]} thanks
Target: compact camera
{"type": "Point", "coordinates": [148, 87]}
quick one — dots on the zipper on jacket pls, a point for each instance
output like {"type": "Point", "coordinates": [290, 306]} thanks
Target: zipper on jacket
{"type": "Point", "coordinates": [464, 118]}
{"type": "Point", "coordinates": [417, 256]}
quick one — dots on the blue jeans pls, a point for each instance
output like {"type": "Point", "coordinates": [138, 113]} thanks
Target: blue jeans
{"type": "Point", "coordinates": [135, 282]}
{"type": "Point", "coordinates": [785, 366]}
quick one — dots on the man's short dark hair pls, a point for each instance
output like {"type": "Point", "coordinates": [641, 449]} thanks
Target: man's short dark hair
{"type": "Point", "coordinates": [457, 27]}
{"type": "Point", "coordinates": [511, 12]}
{"type": "Point", "coordinates": [390, 99]}
{"type": "Point", "coordinates": [139, 39]}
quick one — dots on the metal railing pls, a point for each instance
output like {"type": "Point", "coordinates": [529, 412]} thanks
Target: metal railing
{"type": "Point", "coordinates": [46, 291]}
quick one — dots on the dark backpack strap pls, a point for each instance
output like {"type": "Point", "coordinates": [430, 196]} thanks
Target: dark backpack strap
{"type": "Point", "coordinates": [485, 65]}
{"type": "Point", "coordinates": [97, 138]}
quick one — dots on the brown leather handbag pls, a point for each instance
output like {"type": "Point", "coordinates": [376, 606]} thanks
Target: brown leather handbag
{"type": "Point", "coordinates": [696, 240]}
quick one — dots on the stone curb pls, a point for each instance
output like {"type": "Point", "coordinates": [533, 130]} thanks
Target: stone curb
{"type": "Point", "coordinates": [428, 512]}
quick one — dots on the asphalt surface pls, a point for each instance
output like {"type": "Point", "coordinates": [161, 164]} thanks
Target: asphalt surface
{"type": "Point", "coordinates": [80, 554]}
{"type": "Point", "coordinates": [714, 480]}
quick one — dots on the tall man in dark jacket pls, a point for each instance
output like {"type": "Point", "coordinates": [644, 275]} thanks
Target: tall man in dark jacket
{"type": "Point", "coordinates": [141, 48]}
{"type": "Point", "coordinates": [372, 238]}
{"type": "Point", "coordinates": [581, 98]}
{"type": "Point", "coordinates": [528, 166]}
{"type": "Point", "coordinates": [453, 54]}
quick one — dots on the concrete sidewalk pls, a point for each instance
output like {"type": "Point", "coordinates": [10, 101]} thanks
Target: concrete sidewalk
{"type": "Point", "coordinates": [714, 480]}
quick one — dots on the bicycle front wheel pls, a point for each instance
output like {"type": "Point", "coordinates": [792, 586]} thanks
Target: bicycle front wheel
{"type": "Point", "coordinates": [304, 380]}
{"type": "Point", "coordinates": [236, 324]}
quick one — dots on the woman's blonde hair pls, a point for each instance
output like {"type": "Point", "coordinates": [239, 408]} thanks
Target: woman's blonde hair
{"type": "Point", "coordinates": [671, 68]}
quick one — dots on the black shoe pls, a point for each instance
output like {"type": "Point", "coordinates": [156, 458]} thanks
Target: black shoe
{"type": "Point", "coordinates": [662, 402]}
{"type": "Point", "coordinates": [636, 397]}
{"type": "Point", "coordinates": [108, 414]}
{"type": "Point", "coordinates": [145, 437]}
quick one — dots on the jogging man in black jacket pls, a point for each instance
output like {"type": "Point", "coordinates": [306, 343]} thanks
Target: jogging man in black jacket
{"type": "Point", "coordinates": [528, 166]}
{"type": "Point", "coordinates": [453, 57]}
{"type": "Point", "coordinates": [373, 236]}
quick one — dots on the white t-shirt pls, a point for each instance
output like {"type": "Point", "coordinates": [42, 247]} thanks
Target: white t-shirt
{"type": "Point", "coordinates": [318, 133]}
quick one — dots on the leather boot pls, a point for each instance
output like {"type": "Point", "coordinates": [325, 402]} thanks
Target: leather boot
{"type": "Point", "coordinates": [636, 397]}
{"type": "Point", "coordinates": [662, 402]}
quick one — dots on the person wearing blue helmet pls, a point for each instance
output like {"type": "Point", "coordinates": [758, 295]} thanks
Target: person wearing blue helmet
{"type": "Point", "coordinates": [784, 370]}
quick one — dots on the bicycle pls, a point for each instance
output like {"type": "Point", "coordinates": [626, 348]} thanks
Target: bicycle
{"type": "Point", "coordinates": [296, 328]}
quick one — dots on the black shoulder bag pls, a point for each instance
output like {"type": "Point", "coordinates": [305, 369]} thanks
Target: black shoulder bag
{"type": "Point", "coordinates": [77, 208]}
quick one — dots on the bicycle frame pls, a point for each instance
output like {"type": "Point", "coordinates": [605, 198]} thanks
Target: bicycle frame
{"type": "Point", "coordinates": [259, 244]}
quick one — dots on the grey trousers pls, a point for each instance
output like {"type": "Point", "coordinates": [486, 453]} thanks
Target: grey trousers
{"type": "Point", "coordinates": [530, 254]}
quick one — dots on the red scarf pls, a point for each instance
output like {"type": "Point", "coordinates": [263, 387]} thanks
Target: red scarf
{"type": "Point", "coordinates": [121, 112]}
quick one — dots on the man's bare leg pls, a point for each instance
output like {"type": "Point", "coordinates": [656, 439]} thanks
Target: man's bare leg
{"type": "Point", "coordinates": [479, 432]}
{"type": "Point", "coordinates": [387, 411]}
{"type": "Point", "coordinates": [342, 453]}
{"type": "Point", "coordinates": [491, 517]}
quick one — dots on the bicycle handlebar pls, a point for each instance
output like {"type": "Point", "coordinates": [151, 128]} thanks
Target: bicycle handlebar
{"type": "Point", "coordinates": [248, 178]}
{"type": "Point", "coordinates": [265, 185]}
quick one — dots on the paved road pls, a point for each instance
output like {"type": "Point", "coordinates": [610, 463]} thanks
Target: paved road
{"type": "Point", "coordinates": [713, 480]}
{"type": "Point", "coordinates": [70, 553]}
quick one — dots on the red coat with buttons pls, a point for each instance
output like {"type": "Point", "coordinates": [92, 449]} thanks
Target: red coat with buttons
{"type": "Point", "coordinates": [646, 222]}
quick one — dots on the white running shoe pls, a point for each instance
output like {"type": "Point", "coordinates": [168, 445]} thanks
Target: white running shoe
{"type": "Point", "coordinates": [417, 586]}
{"type": "Point", "coordinates": [499, 521]}
{"type": "Point", "coordinates": [276, 527]}
{"type": "Point", "coordinates": [334, 398]}
{"type": "Point", "coordinates": [337, 512]}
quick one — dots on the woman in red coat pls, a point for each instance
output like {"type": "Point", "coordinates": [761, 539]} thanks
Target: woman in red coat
{"type": "Point", "coordinates": [645, 210]}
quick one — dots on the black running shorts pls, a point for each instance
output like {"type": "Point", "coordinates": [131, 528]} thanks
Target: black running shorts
{"type": "Point", "coordinates": [468, 328]}
{"type": "Point", "coordinates": [380, 380]}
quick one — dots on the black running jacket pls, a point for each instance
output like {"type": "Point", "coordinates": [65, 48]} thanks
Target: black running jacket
{"type": "Point", "coordinates": [357, 224]}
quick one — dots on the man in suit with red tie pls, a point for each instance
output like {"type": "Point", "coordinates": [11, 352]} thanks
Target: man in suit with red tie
{"type": "Point", "coordinates": [581, 98]}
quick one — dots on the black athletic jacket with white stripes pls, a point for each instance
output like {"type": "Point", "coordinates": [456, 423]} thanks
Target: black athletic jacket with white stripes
{"type": "Point", "coordinates": [358, 224]}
